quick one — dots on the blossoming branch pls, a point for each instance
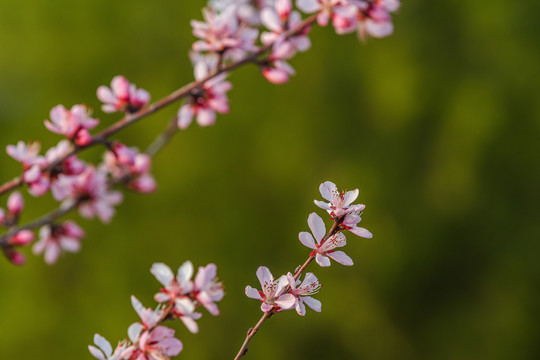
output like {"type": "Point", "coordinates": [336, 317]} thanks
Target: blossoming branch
{"type": "Point", "coordinates": [234, 33]}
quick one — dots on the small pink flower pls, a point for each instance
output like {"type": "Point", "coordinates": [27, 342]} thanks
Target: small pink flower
{"type": "Point", "coordinates": [174, 286]}
{"type": "Point", "coordinates": [343, 13]}
{"type": "Point", "coordinates": [302, 293]}
{"type": "Point", "coordinates": [375, 20]}
{"type": "Point", "coordinates": [277, 71]}
{"type": "Point", "coordinates": [103, 350]}
{"type": "Point", "coordinates": [206, 100]}
{"type": "Point", "coordinates": [55, 238]}
{"type": "Point", "coordinates": [74, 123]}
{"type": "Point", "coordinates": [129, 166]}
{"type": "Point", "coordinates": [69, 166]}
{"type": "Point", "coordinates": [122, 96]}
{"type": "Point", "coordinates": [339, 202]}
{"type": "Point", "coordinates": [159, 344]}
{"type": "Point", "coordinates": [221, 32]}
{"type": "Point", "coordinates": [149, 319]}
{"type": "Point", "coordinates": [279, 23]}
{"type": "Point", "coordinates": [324, 251]}
{"type": "Point", "coordinates": [208, 289]}
{"type": "Point", "coordinates": [271, 296]}
{"type": "Point", "coordinates": [26, 154]}
{"type": "Point", "coordinates": [90, 190]}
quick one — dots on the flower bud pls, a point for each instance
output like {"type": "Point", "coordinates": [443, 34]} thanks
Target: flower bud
{"type": "Point", "coordinates": [83, 137]}
{"type": "Point", "coordinates": [15, 203]}
{"type": "Point", "coordinates": [17, 258]}
{"type": "Point", "coordinates": [22, 238]}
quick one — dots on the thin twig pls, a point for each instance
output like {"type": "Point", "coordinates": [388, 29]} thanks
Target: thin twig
{"type": "Point", "coordinates": [251, 332]}
{"type": "Point", "coordinates": [163, 138]}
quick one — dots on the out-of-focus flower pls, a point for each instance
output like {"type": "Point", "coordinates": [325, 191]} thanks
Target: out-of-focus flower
{"type": "Point", "coordinates": [90, 191]}
{"type": "Point", "coordinates": [174, 286]}
{"type": "Point", "coordinates": [324, 249]}
{"type": "Point", "coordinates": [206, 100]}
{"type": "Point", "coordinates": [208, 289]}
{"type": "Point", "coordinates": [279, 19]}
{"type": "Point", "coordinates": [247, 11]}
{"type": "Point", "coordinates": [122, 96]}
{"type": "Point", "coordinates": [158, 344]}
{"type": "Point", "coordinates": [343, 13]}
{"type": "Point", "coordinates": [22, 238]}
{"type": "Point", "coordinates": [74, 123]}
{"type": "Point", "coordinates": [103, 350]}
{"type": "Point", "coordinates": [221, 33]}
{"type": "Point", "coordinates": [127, 165]}
{"type": "Point", "coordinates": [271, 296]}
{"type": "Point", "coordinates": [33, 163]}
{"type": "Point", "coordinates": [303, 292]}
{"type": "Point", "coordinates": [149, 319]}
{"type": "Point", "coordinates": [339, 202]}
{"type": "Point", "coordinates": [374, 18]}
{"type": "Point", "coordinates": [55, 238]}
{"type": "Point", "coordinates": [184, 309]}
{"type": "Point", "coordinates": [277, 70]}
{"type": "Point", "coordinates": [15, 203]}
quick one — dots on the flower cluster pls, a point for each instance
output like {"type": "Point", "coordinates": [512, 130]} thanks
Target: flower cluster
{"type": "Point", "coordinates": [148, 339]}
{"type": "Point", "coordinates": [234, 31]}
{"type": "Point", "coordinates": [287, 292]}
{"type": "Point", "coordinates": [75, 183]}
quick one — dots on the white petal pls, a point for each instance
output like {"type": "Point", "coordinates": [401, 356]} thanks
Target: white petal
{"type": "Point", "coordinates": [253, 293]}
{"type": "Point", "coordinates": [270, 19]}
{"type": "Point", "coordinates": [350, 196]}
{"type": "Point", "coordinates": [322, 205]}
{"type": "Point", "coordinates": [307, 239]}
{"type": "Point", "coordinates": [322, 260]}
{"type": "Point", "coordinates": [327, 189]}
{"type": "Point", "coordinates": [185, 272]}
{"type": "Point", "coordinates": [266, 307]}
{"type": "Point", "coordinates": [341, 258]}
{"type": "Point", "coordinates": [206, 117]}
{"type": "Point", "coordinates": [286, 301]}
{"type": "Point", "coordinates": [264, 275]}
{"type": "Point", "coordinates": [134, 332]}
{"type": "Point", "coordinates": [103, 344]}
{"type": "Point", "coordinates": [312, 303]}
{"type": "Point", "coordinates": [139, 308]}
{"type": "Point", "coordinates": [316, 224]}
{"type": "Point", "coordinates": [163, 273]}
{"type": "Point", "coordinates": [300, 308]}
{"type": "Point", "coordinates": [96, 352]}
{"type": "Point", "coordinates": [190, 324]}
{"type": "Point", "coordinates": [360, 231]}
{"type": "Point", "coordinates": [308, 6]}
{"type": "Point", "coordinates": [185, 115]}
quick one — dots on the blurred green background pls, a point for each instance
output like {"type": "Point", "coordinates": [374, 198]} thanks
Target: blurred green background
{"type": "Point", "coordinates": [438, 126]}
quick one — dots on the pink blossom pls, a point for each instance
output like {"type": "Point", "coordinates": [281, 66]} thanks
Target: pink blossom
{"type": "Point", "coordinates": [349, 223]}
{"type": "Point", "coordinates": [221, 33]}
{"type": "Point", "coordinates": [149, 317]}
{"type": "Point", "coordinates": [247, 11]}
{"type": "Point", "coordinates": [69, 166]}
{"type": "Point", "coordinates": [206, 100]}
{"type": "Point", "coordinates": [343, 13]}
{"type": "Point", "coordinates": [208, 289]}
{"type": "Point", "coordinates": [271, 296]}
{"type": "Point", "coordinates": [129, 166]}
{"type": "Point", "coordinates": [90, 190]}
{"type": "Point", "coordinates": [103, 350]}
{"type": "Point", "coordinates": [279, 21]}
{"type": "Point", "coordinates": [174, 286]}
{"type": "Point", "coordinates": [375, 20]}
{"type": "Point", "coordinates": [74, 123]}
{"type": "Point", "coordinates": [277, 70]}
{"type": "Point", "coordinates": [158, 344]}
{"type": "Point", "coordinates": [55, 238]}
{"type": "Point", "coordinates": [26, 154]}
{"type": "Point", "coordinates": [339, 202]}
{"type": "Point", "coordinates": [122, 96]}
{"type": "Point", "coordinates": [323, 250]}
{"type": "Point", "coordinates": [16, 258]}
{"type": "Point", "coordinates": [302, 293]}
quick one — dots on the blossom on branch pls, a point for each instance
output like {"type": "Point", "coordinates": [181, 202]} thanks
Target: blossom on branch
{"type": "Point", "coordinates": [205, 100]}
{"type": "Point", "coordinates": [271, 296]}
{"type": "Point", "coordinates": [303, 291]}
{"type": "Point", "coordinates": [324, 249]}
{"type": "Point", "coordinates": [174, 286]}
{"type": "Point", "coordinates": [54, 238]}
{"type": "Point", "coordinates": [122, 96]}
{"type": "Point", "coordinates": [339, 202]}
{"type": "Point", "coordinates": [74, 123]}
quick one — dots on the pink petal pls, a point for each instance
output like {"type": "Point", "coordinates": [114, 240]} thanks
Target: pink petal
{"type": "Point", "coordinates": [105, 95]}
{"type": "Point", "coordinates": [275, 76]}
{"type": "Point", "coordinates": [308, 6]}
{"type": "Point", "coordinates": [327, 189]}
{"type": "Point", "coordinates": [163, 273]}
{"type": "Point", "coordinates": [266, 307]}
{"type": "Point", "coordinates": [312, 303]}
{"type": "Point", "coordinates": [350, 196]}
{"type": "Point", "coordinates": [264, 275]}
{"type": "Point", "coordinates": [360, 231]}
{"type": "Point", "coordinates": [270, 19]}
{"type": "Point", "coordinates": [300, 308]}
{"type": "Point", "coordinates": [103, 344]}
{"type": "Point", "coordinates": [286, 301]}
{"type": "Point", "coordinates": [52, 250]}
{"type": "Point", "coordinates": [120, 86]}
{"type": "Point", "coordinates": [185, 115]}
